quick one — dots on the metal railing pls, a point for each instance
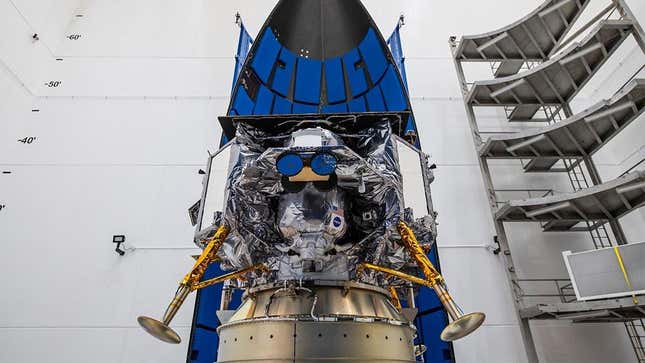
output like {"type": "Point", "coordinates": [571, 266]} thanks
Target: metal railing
{"type": "Point", "coordinates": [562, 289]}
{"type": "Point", "coordinates": [633, 167]}
{"type": "Point", "coordinates": [636, 334]}
{"type": "Point", "coordinates": [494, 66]}
{"type": "Point", "coordinates": [530, 193]}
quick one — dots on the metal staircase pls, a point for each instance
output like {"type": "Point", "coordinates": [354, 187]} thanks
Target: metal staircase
{"type": "Point", "coordinates": [571, 139]}
{"type": "Point", "coordinates": [599, 235]}
{"type": "Point", "coordinates": [636, 333]}
{"type": "Point", "coordinates": [536, 74]}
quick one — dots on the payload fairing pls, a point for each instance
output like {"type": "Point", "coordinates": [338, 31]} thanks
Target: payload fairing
{"type": "Point", "coordinates": [319, 204]}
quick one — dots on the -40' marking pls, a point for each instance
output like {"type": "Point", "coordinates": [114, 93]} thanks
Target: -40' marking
{"type": "Point", "coordinates": [27, 140]}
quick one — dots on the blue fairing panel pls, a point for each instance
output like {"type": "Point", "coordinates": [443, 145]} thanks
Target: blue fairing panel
{"type": "Point", "coordinates": [411, 126]}
{"type": "Point", "coordinates": [278, 81]}
{"type": "Point", "coordinates": [396, 48]}
{"type": "Point", "coordinates": [337, 108]}
{"type": "Point", "coordinates": [357, 105]}
{"type": "Point", "coordinates": [374, 56]}
{"type": "Point", "coordinates": [284, 72]}
{"type": "Point", "coordinates": [362, 73]}
{"type": "Point", "coordinates": [395, 99]}
{"type": "Point", "coordinates": [243, 104]}
{"type": "Point", "coordinates": [375, 101]}
{"type": "Point", "coordinates": [282, 106]}
{"type": "Point", "coordinates": [243, 46]}
{"type": "Point", "coordinates": [335, 80]}
{"type": "Point", "coordinates": [308, 80]}
{"type": "Point", "coordinates": [303, 108]}
{"type": "Point", "coordinates": [355, 73]}
{"type": "Point", "coordinates": [267, 52]}
{"type": "Point", "coordinates": [264, 102]}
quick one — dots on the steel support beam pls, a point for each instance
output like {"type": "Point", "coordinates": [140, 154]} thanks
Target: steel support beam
{"type": "Point", "coordinates": [511, 275]}
{"type": "Point", "coordinates": [594, 175]}
{"type": "Point", "coordinates": [619, 236]}
{"type": "Point", "coordinates": [626, 12]}
{"type": "Point", "coordinates": [583, 28]}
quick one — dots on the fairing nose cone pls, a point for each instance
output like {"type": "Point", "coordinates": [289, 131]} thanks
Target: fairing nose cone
{"type": "Point", "coordinates": [322, 57]}
{"type": "Point", "coordinates": [320, 29]}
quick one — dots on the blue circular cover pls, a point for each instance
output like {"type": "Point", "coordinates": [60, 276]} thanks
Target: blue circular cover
{"type": "Point", "coordinates": [289, 164]}
{"type": "Point", "coordinates": [323, 163]}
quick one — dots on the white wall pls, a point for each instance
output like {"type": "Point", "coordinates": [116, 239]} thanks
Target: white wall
{"type": "Point", "coordinates": [120, 141]}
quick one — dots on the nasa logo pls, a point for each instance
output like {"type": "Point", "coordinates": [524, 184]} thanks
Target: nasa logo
{"type": "Point", "coordinates": [337, 221]}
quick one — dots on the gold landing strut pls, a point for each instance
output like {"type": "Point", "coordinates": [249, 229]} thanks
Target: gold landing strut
{"type": "Point", "coordinates": [394, 297]}
{"type": "Point", "coordinates": [191, 282]}
{"type": "Point", "coordinates": [463, 324]}
{"type": "Point", "coordinates": [209, 254]}
{"type": "Point", "coordinates": [416, 251]}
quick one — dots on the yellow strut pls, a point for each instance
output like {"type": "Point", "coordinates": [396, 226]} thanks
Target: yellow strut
{"type": "Point", "coordinates": [191, 282]}
{"type": "Point", "coordinates": [416, 251]}
{"type": "Point", "coordinates": [208, 256]}
{"type": "Point", "coordinates": [417, 280]}
{"type": "Point", "coordinates": [230, 276]}
{"type": "Point", "coordinates": [394, 297]}
{"type": "Point", "coordinates": [463, 324]}
{"type": "Point", "coordinates": [625, 276]}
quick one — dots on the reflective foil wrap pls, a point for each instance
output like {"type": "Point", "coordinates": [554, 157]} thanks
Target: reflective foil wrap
{"type": "Point", "coordinates": [311, 226]}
